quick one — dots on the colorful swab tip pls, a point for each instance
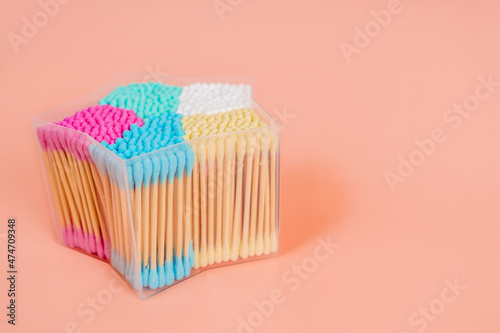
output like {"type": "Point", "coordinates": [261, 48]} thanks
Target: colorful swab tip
{"type": "Point", "coordinates": [187, 266]}
{"type": "Point", "coordinates": [67, 235]}
{"type": "Point", "coordinates": [91, 242]}
{"type": "Point", "coordinates": [107, 250]}
{"type": "Point", "coordinates": [259, 246]}
{"type": "Point", "coordinates": [81, 239]}
{"type": "Point", "coordinates": [179, 268]}
{"type": "Point", "coordinates": [191, 254]}
{"type": "Point", "coordinates": [148, 170]}
{"type": "Point", "coordinates": [99, 248]}
{"type": "Point", "coordinates": [145, 276]}
{"type": "Point", "coordinates": [218, 253]}
{"type": "Point", "coordinates": [161, 276]}
{"type": "Point", "coordinates": [97, 120]}
{"type": "Point", "coordinates": [153, 278]}
{"type": "Point", "coordinates": [169, 273]}
{"type": "Point", "coordinates": [244, 250]}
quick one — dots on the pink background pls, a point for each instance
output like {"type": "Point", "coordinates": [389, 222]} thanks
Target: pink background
{"type": "Point", "coordinates": [344, 126]}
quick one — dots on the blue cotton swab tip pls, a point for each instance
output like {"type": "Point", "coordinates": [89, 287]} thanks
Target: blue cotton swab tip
{"type": "Point", "coordinates": [189, 162]}
{"type": "Point", "coordinates": [172, 161]}
{"type": "Point", "coordinates": [191, 254]}
{"type": "Point", "coordinates": [187, 265]}
{"type": "Point", "coordinates": [169, 272]}
{"type": "Point", "coordinates": [148, 170]}
{"type": "Point", "coordinates": [181, 162]}
{"type": "Point", "coordinates": [153, 278]}
{"type": "Point", "coordinates": [164, 168]}
{"type": "Point", "coordinates": [161, 276]}
{"type": "Point", "coordinates": [145, 276]}
{"type": "Point", "coordinates": [156, 168]}
{"type": "Point", "coordinates": [179, 268]}
{"type": "Point", "coordinates": [138, 174]}
{"type": "Point", "coordinates": [130, 176]}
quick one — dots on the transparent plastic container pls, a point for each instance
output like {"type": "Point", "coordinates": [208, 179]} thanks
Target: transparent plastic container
{"type": "Point", "coordinates": [165, 216]}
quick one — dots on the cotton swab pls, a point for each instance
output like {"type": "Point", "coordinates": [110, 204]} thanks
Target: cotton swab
{"type": "Point", "coordinates": [220, 186]}
{"type": "Point", "coordinates": [196, 207]}
{"type": "Point", "coordinates": [153, 275]}
{"type": "Point", "coordinates": [148, 171]}
{"type": "Point", "coordinates": [264, 144]}
{"type": "Point", "coordinates": [255, 193]}
{"type": "Point", "coordinates": [61, 204]}
{"type": "Point", "coordinates": [232, 174]}
{"type": "Point", "coordinates": [188, 241]}
{"type": "Point", "coordinates": [169, 264]}
{"type": "Point", "coordinates": [138, 175]}
{"type": "Point", "coordinates": [251, 143]}
{"type": "Point", "coordinates": [162, 219]}
{"type": "Point", "coordinates": [241, 146]}
{"type": "Point", "coordinates": [179, 264]}
{"type": "Point", "coordinates": [226, 231]}
{"type": "Point", "coordinates": [202, 157]}
{"type": "Point", "coordinates": [211, 152]}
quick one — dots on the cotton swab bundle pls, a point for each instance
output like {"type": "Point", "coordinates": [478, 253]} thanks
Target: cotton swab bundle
{"type": "Point", "coordinates": [244, 177]}
{"type": "Point", "coordinates": [146, 99]}
{"type": "Point", "coordinates": [209, 98]}
{"type": "Point", "coordinates": [157, 193]}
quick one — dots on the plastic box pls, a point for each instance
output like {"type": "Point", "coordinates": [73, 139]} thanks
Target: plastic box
{"type": "Point", "coordinates": [165, 216]}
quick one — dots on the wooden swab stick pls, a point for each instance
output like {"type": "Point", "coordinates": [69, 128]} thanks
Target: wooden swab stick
{"type": "Point", "coordinates": [251, 142]}
{"type": "Point", "coordinates": [226, 229]}
{"type": "Point", "coordinates": [101, 171]}
{"type": "Point", "coordinates": [86, 162]}
{"type": "Point", "coordinates": [61, 178]}
{"type": "Point", "coordinates": [162, 218]}
{"type": "Point", "coordinates": [267, 241]}
{"type": "Point", "coordinates": [211, 152]}
{"type": "Point", "coordinates": [146, 191]}
{"type": "Point", "coordinates": [264, 145]}
{"type": "Point", "coordinates": [241, 146]}
{"type": "Point", "coordinates": [135, 254]}
{"type": "Point", "coordinates": [220, 186]}
{"type": "Point", "coordinates": [232, 171]}
{"type": "Point", "coordinates": [119, 262]}
{"type": "Point", "coordinates": [124, 222]}
{"type": "Point", "coordinates": [138, 173]}
{"type": "Point", "coordinates": [273, 151]}
{"type": "Point", "coordinates": [181, 163]}
{"type": "Point", "coordinates": [153, 275]}
{"type": "Point", "coordinates": [188, 246]}
{"type": "Point", "coordinates": [87, 203]}
{"type": "Point", "coordinates": [202, 156]}
{"type": "Point", "coordinates": [61, 159]}
{"type": "Point", "coordinates": [61, 204]}
{"type": "Point", "coordinates": [169, 265]}
{"type": "Point", "coordinates": [255, 193]}
{"type": "Point", "coordinates": [196, 207]}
